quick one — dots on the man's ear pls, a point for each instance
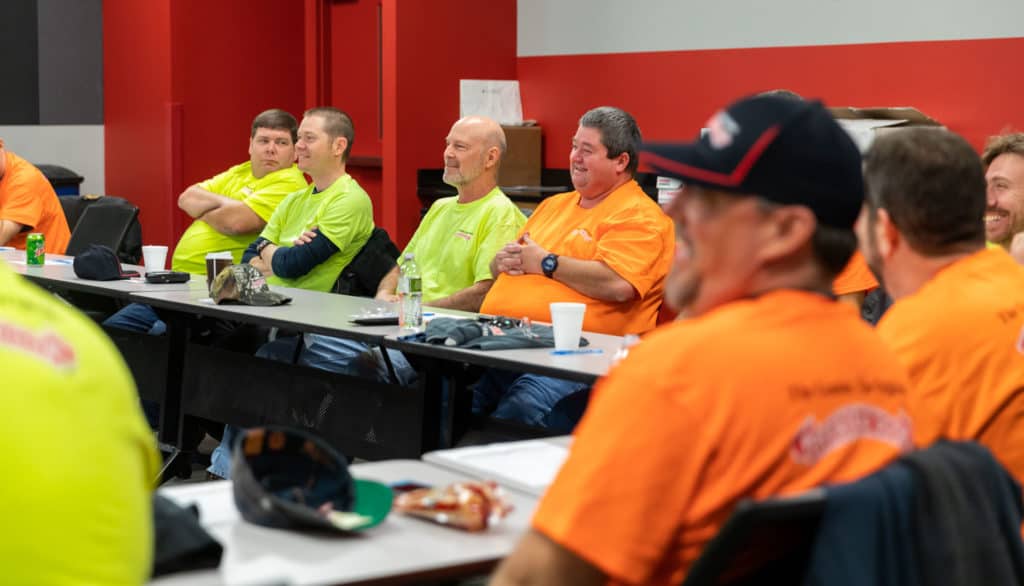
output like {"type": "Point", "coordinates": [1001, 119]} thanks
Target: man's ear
{"type": "Point", "coordinates": [621, 162]}
{"type": "Point", "coordinates": [492, 158]}
{"type": "Point", "coordinates": [340, 144]}
{"type": "Point", "coordinates": [887, 236]}
{"type": "Point", "coordinates": [786, 230]}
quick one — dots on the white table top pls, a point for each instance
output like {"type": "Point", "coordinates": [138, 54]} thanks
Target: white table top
{"type": "Point", "coordinates": [401, 548]}
{"type": "Point", "coordinates": [59, 271]}
{"type": "Point", "coordinates": [529, 466]}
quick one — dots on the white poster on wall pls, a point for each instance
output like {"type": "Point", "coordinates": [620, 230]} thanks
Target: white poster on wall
{"type": "Point", "coordinates": [497, 99]}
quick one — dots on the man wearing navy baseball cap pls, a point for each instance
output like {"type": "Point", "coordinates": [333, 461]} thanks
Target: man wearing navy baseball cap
{"type": "Point", "coordinates": [770, 387]}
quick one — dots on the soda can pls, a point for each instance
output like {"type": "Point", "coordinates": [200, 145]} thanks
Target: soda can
{"type": "Point", "coordinates": [35, 249]}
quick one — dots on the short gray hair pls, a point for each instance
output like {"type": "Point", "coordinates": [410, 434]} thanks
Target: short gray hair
{"type": "Point", "coordinates": [619, 133]}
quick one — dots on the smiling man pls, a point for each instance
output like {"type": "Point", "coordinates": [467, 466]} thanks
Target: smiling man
{"type": "Point", "coordinates": [459, 236]}
{"type": "Point", "coordinates": [606, 244]}
{"type": "Point", "coordinates": [1004, 176]}
{"type": "Point", "coordinates": [770, 387]}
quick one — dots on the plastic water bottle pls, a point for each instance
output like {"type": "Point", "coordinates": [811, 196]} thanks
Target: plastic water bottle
{"type": "Point", "coordinates": [410, 290]}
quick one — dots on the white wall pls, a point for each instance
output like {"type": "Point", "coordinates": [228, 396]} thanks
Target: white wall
{"type": "Point", "coordinates": [573, 27]}
{"type": "Point", "coordinates": [79, 148]}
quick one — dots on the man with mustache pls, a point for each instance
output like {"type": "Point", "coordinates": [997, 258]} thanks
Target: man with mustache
{"type": "Point", "coordinates": [769, 387]}
{"type": "Point", "coordinates": [606, 244]}
{"type": "Point", "coordinates": [1004, 175]}
{"type": "Point", "coordinates": [956, 323]}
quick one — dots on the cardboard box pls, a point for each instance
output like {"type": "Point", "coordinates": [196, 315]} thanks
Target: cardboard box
{"type": "Point", "coordinates": [864, 124]}
{"type": "Point", "coordinates": [522, 162]}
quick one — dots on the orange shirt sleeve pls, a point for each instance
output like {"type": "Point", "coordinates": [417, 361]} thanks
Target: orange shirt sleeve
{"type": "Point", "coordinates": [632, 243]}
{"type": "Point", "coordinates": [21, 195]}
{"type": "Point", "coordinates": [856, 277]}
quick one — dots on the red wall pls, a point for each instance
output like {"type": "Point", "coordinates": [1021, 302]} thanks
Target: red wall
{"type": "Point", "coordinates": [970, 86]}
{"type": "Point", "coordinates": [137, 88]}
{"type": "Point", "coordinates": [181, 89]}
{"type": "Point", "coordinates": [429, 45]}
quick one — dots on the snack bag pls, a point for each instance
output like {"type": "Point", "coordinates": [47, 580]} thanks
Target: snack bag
{"type": "Point", "coordinates": [472, 506]}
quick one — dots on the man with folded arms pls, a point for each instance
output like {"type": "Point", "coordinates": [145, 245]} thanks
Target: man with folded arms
{"type": "Point", "coordinates": [771, 386]}
{"type": "Point", "coordinates": [29, 204]}
{"type": "Point", "coordinates": [959, 307]}
{"type": "Point", "coordinates": [606, 244]}
{"type": "Point", "coordinates": [230, 209]}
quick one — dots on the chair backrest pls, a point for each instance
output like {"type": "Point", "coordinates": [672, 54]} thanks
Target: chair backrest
{"type": "Point", "coordinates": [762, 542]}
{"type": "Point", "coordinates": [373, 262]}
{"type": "Point", "coordinates": [106, 225]}
{"type": "Point", "coordinates": [74, 206]}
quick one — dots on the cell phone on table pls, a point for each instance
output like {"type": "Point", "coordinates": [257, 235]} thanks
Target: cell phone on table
{"type": "Point", "coordinates": [163, 277]}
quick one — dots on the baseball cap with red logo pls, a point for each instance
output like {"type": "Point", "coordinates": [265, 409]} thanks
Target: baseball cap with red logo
{"type": "Point", "coordinates": [785, 150]}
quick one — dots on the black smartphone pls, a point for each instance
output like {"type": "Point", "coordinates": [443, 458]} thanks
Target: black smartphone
{"type": "Point", "coordinates": [163, 277]}
{"type": "Point", "coordinates": [387, 319]}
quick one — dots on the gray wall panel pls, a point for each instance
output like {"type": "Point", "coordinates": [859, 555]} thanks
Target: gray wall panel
{"type": "Point", "coordinates": [19, 89]}
{"type": "Point", "coordinates": [70, 61]}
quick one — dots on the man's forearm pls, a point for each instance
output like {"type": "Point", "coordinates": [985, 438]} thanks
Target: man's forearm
{"type": "Point", "coordinates": [8, 230]}
{"type": "Point", "coordinates": [594, 279]}
{"type": "Point", "coordinates": [196, 201]}
{"type": "Point", "coordinates": [468, 299]}
{"type": "Point", "coordinates": [233, 218]}
{"type": "Point", "coordinates": [388, 284]}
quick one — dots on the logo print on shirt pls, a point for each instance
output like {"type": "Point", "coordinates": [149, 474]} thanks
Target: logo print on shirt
{"type": "Point", "coordinates": [582, 234]}
{"type": "Point", "coordinates": [46, 346]}
{"type": "Point", "coordinates": [813, 442]}
{"type": "Point", "coordinates": [1020, 342]}
{"type": "Point", "coordinates": [467, 236]}
{"type": "Point", "coordinates": [248, 191]}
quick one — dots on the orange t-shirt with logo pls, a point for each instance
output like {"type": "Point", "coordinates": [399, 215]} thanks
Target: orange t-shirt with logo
{"type": "Point", "coordinates": [627, 231]}
{"type": "Point", "coordinates": [856, 277]}
{"type": "Point", "coordinates": [26, 197]}
{"type": "Point", "coordinates": [758, 398]}
{"type": "Point", "coordinates": [960, 338]}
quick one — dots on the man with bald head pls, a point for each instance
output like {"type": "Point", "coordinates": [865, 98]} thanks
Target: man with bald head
{"type": "Point", "coordinates": [459, 236]}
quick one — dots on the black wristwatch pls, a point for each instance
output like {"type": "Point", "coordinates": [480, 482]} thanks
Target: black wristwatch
{"type": "Point", "coordinates": [549, 264]}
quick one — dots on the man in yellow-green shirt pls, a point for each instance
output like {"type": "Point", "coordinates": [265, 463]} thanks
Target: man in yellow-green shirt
{"type": "Point", "coordinates": [79, 458]}
{"type": "Point", "coordinates": [459, 236]}
{"type": "Point", "coordinates": [231, 208]}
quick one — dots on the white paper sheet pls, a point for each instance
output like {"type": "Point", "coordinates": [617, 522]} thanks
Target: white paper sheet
{"type": "Point", "coordinates": [497, 99]}
{"type": "Point", "coordinates": [529, 465]}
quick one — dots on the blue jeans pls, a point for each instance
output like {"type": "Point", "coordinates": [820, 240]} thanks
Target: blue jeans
{"type": "Point", "coordinates": [137, 317]}
{"type": "Point", "coordinates": [523, 398]}
{"type": "Point", "coordinates": [325, 353]}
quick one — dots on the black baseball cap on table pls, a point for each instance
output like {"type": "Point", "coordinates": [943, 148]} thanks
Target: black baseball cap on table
{"type": "Point", "coordinates": [291, 479]}
{"type": "Point", "coordinates": [785, 150]}
{"type": "Point", "coordinates": [99, 263]}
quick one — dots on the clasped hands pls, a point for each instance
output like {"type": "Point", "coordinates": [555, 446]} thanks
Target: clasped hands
{"type": "Point", "coordinates": [521, 257]}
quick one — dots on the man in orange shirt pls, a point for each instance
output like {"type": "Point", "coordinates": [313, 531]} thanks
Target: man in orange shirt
{"type": "Point", "coordinates": [956, 322]}
{"type": "Point", "coordinates": [29, 204]}
{"type": "Point", "coordinates": [770, 388]}
{"type": "Point", "coordinates": [606, 244]}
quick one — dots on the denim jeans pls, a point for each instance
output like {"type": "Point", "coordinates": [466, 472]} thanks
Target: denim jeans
{"type": "Point", "coordinates": [325, 353]}
{"type": "Point", "coordinates": [523, 398]}
{"type": "Point", "coordinates": [137, 317]}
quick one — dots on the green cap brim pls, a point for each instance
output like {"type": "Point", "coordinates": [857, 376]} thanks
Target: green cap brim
{"type": "Point", "coordinates": [373, 500]}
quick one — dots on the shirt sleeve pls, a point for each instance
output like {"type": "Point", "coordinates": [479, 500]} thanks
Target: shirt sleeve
{"type": "Point", "coordinates": [341, 218]}
{"type": "Point", "coordinates": [619, 499]}
{"type": "Point", "coordinates": [502, 227]}
{"type": "Point", "coordinates": [632, 243]}
{"type": "Point", "coordinates": [21, 201]}
{"type": "Point", "coordinates": [272, 231]}
{"type": "Point", "coordinates": [268, 196]}
{"type": "Point", "coordinates": [217, 183]}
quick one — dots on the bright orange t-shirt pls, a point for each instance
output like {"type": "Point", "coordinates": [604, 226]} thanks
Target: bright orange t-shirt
{"type": "Point", "coordinates": [26, 197]}
{"type": "Point", "coordinates": [960, 337]}
{"type": "Point", "coordinates": [758, 398]}
{"type": "Point", "coordinates": [627, 231]}
{"type": "Point", "coordinates": [856, 277]}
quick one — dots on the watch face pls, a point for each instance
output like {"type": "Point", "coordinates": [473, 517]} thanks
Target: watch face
{"type": "Point", "coordinates": [548, 264]}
